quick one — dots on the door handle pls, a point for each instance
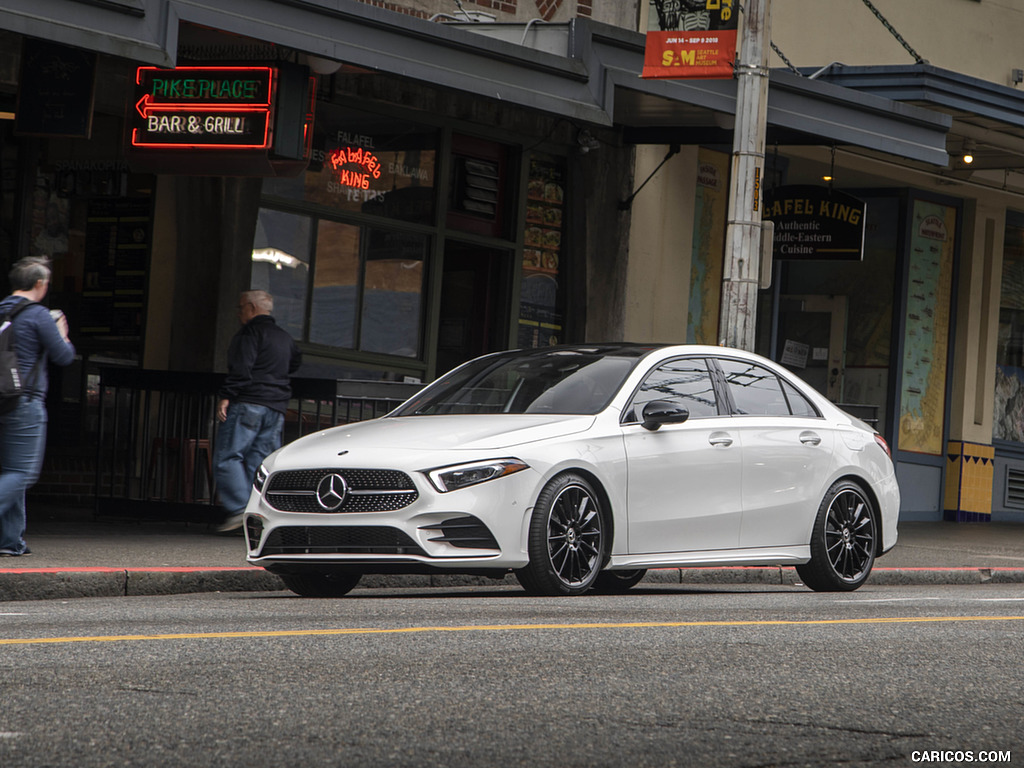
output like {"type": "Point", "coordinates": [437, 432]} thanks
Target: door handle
{"type": "Point", "coordinates": [720, 438]}
{"type": "Point", "coordinates": [810, 438]}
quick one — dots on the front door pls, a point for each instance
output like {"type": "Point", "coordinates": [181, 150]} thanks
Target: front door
{"type": "Point", "coordinates": [683, 489]}
{"type": "Point", "coordinates": [811, 341]}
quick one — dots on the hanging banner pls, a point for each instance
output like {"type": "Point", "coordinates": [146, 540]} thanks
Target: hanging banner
{"type": "Point", "coordinates": [815, 223]}
{"type": "Point", "coordinates": [691, 39]}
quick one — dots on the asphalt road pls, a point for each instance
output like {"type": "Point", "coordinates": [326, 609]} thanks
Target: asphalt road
{"type": "Point", "coordinates": [664, 676]}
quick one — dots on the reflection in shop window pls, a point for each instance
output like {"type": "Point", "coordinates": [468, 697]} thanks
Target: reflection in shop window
{"type": "Point", "coordinates": [280, 265]}
{"type": "Point", "coordinates": [332, 321]}
{"type": "Point", "coordinates": [1008, 423]}
{"type": "Point", "coordinates": [367, 289]}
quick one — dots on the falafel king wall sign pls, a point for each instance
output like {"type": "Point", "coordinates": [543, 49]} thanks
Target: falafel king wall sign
{"type": "Point", "coordinates": [691, 39]}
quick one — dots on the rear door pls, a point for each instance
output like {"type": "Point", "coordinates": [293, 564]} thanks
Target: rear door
{"type": "Point", "coordinates": [787, 454]}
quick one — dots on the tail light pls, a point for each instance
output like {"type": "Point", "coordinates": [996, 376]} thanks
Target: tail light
{"type": "Point", "coordinates": [885, 446]}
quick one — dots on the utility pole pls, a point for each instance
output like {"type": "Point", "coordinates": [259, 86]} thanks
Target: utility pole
{"type": "Point", "coordinates": [741, 269]}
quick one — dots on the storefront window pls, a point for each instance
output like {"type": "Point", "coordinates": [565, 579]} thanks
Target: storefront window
{"type": "Point", "coordinates": [367, 163]}
{"type": "Point", "coordinates": [280, 265]}
{"type": "Point", "coordinates": [1008, 422]}
{"type": "Point", "coordinates": [541, 303]}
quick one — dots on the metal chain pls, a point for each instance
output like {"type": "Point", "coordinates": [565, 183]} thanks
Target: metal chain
{"type": "Point", "coordinates": [787, 62]}
{"type": "Point", "coordinates": [895, 34]}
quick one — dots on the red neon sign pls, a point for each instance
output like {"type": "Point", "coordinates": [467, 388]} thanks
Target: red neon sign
{"type": "Point", "coordinates": [203, 108]}
{"type": "Point", "coordinates": [366, 166]}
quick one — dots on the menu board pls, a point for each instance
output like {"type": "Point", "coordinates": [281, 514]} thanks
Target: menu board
{"type": "Point", "coordinates": [117, 242]}
{"type": "Point", "coordinates": [540, 309]}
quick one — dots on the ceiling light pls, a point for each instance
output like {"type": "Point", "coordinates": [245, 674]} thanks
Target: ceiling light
{"type": "Point", "coordinates": [969, 148]}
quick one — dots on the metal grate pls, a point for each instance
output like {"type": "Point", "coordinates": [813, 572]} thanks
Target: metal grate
{"type": "Point", "coordinates": [1014, 488]}
{"type": "Point", "coordinates": [369, 490]}
{"type": "Point", "coordinates": [339, 540]}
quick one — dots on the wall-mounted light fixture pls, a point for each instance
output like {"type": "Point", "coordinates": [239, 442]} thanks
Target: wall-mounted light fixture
{"type": "Point", "coordinates": [969, 148]}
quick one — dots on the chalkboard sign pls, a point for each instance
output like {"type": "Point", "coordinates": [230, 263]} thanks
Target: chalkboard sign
{"type": "Point", "coordinates": [55, 95]}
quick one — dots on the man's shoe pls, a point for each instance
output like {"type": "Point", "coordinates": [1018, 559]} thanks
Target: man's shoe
{"type": "Point", "coordinates": [12, 553]}
{"type": "Point", "coordinates": [231, 523]}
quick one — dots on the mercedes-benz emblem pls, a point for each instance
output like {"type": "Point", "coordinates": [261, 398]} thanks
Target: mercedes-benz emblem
{"type": "Point", "coordinates": [330, 492]}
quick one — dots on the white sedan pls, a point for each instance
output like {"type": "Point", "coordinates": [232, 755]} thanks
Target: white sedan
{"type": "Point", "coordinates": [579, 468]}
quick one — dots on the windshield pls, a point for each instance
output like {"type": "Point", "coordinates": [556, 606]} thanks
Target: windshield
{"type": "Point", "coordinates": [545, 381]}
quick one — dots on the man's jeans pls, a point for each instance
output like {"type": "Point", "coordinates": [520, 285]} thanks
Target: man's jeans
{"type": "Point", "coordinates": [250, 433]}
{"type": "Point", "coordinates": [22, 444]}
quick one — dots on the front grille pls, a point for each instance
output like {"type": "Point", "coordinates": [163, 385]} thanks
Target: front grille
{"type": "Point", "coordinates": [339, 540]}
{"type": "Point", "coordinates": [369, 490]}
{"type": "Point", "coordinates": [466, 532]}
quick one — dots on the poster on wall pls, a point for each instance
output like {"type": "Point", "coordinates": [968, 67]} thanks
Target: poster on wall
{"type": "Point", "coordinates": [710, 210]}
{"type": "Point", "coordinates": [926, 329]}
{"type": "Point", "coordinates": [540, 311]}
{"type": "Point", "coordinates": [690, 39]}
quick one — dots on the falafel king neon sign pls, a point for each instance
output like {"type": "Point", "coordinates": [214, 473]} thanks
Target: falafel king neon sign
{"type": "Point", "coordinates": [354, 166]}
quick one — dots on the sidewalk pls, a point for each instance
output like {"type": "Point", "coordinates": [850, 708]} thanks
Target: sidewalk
{"type": "Point", "coordinates": [75, 555]}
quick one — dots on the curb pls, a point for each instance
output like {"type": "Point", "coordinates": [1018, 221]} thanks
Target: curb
{"type": "Point", "coordinates": [63, 583]}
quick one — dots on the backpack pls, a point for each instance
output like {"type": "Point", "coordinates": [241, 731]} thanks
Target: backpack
{"type": "Point", "coordinates": [11, 386]}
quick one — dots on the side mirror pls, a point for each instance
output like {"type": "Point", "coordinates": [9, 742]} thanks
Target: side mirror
{"type": "Point", "coordinates": [658, 412]}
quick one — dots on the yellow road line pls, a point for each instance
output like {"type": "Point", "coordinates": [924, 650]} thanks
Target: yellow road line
{"type": "Point", "coordinates": [500, 628]}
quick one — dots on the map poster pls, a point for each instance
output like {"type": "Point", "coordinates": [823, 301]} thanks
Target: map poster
{"type": "Point", "coordinates": [926, 329]}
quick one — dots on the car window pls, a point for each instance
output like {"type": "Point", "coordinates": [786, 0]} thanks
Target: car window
{"type": "Point", "coordinates": [798, 404]}
{"type": "Point", "coordinates": [686, 382]}
{"type": "Point", "coordinates": [755, 391]}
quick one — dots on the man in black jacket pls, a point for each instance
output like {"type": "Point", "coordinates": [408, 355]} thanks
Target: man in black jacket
{"type": "Point", "coordinates": [252, 402]}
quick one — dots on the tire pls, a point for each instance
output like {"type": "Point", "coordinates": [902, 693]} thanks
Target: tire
{"type": "Point", "coordinates": [321, 584]}
{"type": "Point", "coordinates": [614, 582]}
{"type": "Point", "coordinates": [566, 540]}
{"type": "Point", "coordinates": [843, 541]}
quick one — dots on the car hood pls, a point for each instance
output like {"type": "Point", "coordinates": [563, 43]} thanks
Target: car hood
{"type": "Point", "coordinates": [417, 434]}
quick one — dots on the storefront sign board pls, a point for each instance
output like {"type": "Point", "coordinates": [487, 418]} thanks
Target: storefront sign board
{"type": "Point", "coordinates": [815, 223]}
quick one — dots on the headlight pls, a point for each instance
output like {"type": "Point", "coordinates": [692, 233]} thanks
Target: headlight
{"type": "Point", "coordinates": [462, 475]}
{"type": "Point", "coordinates": [260, 479]}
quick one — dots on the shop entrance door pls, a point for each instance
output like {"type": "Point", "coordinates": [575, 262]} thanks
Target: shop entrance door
{"type": "Point", "coordinates": [473, 316]}
{"type": "Point", "coordinates": [811, 341]}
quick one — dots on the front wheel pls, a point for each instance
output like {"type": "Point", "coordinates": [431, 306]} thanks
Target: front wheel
{"type": "Point", "coordinates": [321, 584]}
{"type": "Point", "coordinates": [567, 539]}
{"type": "Point", "coordinates": [843, 541]}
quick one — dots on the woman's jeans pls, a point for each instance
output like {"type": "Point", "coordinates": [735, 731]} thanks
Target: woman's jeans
{"type": "Point", "coordinates": [250, 433]}
{"type": "Point", "coordinates": [22, 444]}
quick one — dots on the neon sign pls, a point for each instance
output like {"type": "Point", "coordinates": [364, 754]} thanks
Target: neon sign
{"type": "Point", "coordinates": [203, 107]}
{"type": "Point", "coordinates": [366, 164]}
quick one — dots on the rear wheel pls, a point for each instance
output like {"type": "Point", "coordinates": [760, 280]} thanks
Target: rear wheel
{"type": "Point", "coordinates": [611, 582]}
{"type": "Point", "coordinates": [567, 539]}
{"type": "Point", "coordinates": [843, 541]}
{"type": "Point", "coordinates": [321, 584]}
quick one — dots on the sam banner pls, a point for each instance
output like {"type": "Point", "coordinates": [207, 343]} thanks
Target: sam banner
{"type": "Point", "coordinates": [691, 39]}
{"type": "Point", "coordinates": [815, 223]}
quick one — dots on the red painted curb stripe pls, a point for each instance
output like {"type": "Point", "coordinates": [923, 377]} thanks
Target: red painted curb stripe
{"type": "Point", "coordinates": [103, 569]}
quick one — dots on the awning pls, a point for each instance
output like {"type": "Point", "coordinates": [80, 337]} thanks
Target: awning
{"type": "Point", "coordinates": [584, 71]}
